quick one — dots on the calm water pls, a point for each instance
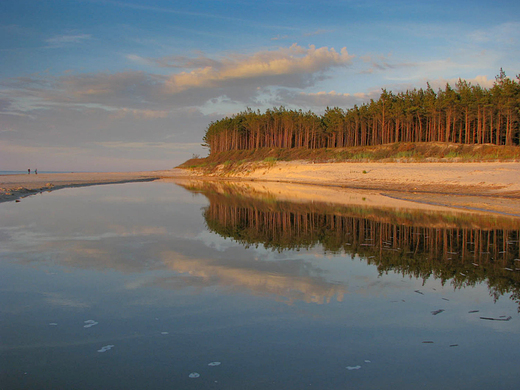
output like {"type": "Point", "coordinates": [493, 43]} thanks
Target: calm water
{"type": "Point", "coordinates": [141, 285]}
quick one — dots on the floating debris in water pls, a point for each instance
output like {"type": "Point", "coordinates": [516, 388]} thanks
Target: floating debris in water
{"type": "Point", "coordinates": [350, 368]}
{"type": "Point", "coordinates": [213, 364]}
{"type": "Point", "coordinates": [194, 375]}
{"type": "Point", "coordinates": [475, 264]}
{"type": "Point", "coordinates": [496, 319]}
{"type": "Point", "coordinates": [445, 299]}
{"type": "Point", "coordinates": [89, 323]}
{"type": "Point", "coordinates": [165, 333]}
{"type": "Point", "coordinates": [454, 345]}
{"type": "Point", "coordinates": [473, 311]}
{"type": "Point", "coordinates": [508, 269]}
{"type": "Point", "coordinates": [106, 348]}
{"type": "Point", "coordinates": [53, 324]}
{"type": "Point", "coordinates": [368, 361]}
{"type": "Point", "coordinates": [435, 312]}
{"type": "Point", "coordinates": [419, 292]}
{"type": "Point", "coordinates": [427, 342]}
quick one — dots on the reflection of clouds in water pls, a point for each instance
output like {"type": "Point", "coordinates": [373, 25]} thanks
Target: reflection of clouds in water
{"type": "Point", "coordinates": [137, 230]}
{"type": "Point", "coordinates": [258, 271]}
{"type": "Point", "coordinates": [26, 237]}
{"type": "Point", "coordinates": [209, 261]}
{"type": "Point", "coordinates": [5, 234]}
{"type": "Point", "coordinates": [18, 239]}
{"type": "Point", "coordinates": [135, 284]}
{"type": "Point", "coordinates": [288, 279]}
{"type": "Point", "coordinates": [58, 300]}
{"type": "Point", "coordinates": [124, 199]}
{"type": "Point", "coordinates": [214, 241]}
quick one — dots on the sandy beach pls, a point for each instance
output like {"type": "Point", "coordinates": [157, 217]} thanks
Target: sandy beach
{"type": "Point", "coordinates": [492, 187]}
{"type": "Point", "coordinates": [14, 187]}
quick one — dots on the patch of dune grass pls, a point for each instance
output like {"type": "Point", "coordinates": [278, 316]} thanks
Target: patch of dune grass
{"type": "Point", "coordinates": [409, 152]}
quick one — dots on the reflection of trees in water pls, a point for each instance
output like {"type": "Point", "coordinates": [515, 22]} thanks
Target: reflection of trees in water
{"type": "Point", "coordinates": [466, 249]}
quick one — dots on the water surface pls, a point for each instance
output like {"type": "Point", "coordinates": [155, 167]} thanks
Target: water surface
{"type": "Point", "coordinates": [143, 285]}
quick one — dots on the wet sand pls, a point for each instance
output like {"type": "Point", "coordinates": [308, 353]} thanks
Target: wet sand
{"type": "Point", "coordinates": [491, 187]}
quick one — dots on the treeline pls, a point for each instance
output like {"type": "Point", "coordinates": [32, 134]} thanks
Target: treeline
{"type": "Point", "coordinates": [466, 114]}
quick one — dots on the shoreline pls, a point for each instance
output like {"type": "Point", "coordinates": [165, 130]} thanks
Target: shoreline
{"type": "Point", "coordinates": [483, 187]}
{"type": "Point", "coordinates": [18, 186]}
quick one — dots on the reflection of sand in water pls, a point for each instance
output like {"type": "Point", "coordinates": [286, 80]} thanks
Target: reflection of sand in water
{"type": "Point", "coordinates": [419, 208]}
{"type": "Point", "coordinates": [302, 193]}
{"type": "Point", "coordinates": [292, 288]}
{"type": "Point", "coordinates": [492, 187]}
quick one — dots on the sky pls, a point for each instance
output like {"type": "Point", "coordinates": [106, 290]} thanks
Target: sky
{"type": "Point", "coordinates": [102, 85]}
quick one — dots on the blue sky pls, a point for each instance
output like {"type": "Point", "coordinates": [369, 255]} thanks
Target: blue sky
{"type": "Point", "coordinates": [93, 85]}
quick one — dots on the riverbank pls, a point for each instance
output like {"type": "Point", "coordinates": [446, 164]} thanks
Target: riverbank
{"type": "Point", "coordinates": [487, 186]}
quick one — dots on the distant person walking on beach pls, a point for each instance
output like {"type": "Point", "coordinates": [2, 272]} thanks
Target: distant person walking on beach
{"type": "Point", "coordinates": [29, 171]}
{"type": "Point", "coordinates": [35, 171]}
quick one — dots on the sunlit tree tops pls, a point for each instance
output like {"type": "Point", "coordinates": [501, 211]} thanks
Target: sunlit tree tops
{"type": "Point", "coordinates": [465, 113]}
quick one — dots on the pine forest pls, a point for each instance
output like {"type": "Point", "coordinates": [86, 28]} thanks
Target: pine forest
{"type": "Point", "coordinates": [465, 114]}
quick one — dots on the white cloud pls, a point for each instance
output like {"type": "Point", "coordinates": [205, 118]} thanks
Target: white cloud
{"type": "Point", "coordinates": [483, 81]}
{"type": "Point", "coordinates": [148, 145]}
{"type": "Point", "coordinates": [143, 95]}
{"type": "Point", "coordinates": [317, 32]}
{"type": "Point", "coordinates": [319, 101]}
{"type": "Point", "coordinates": [264, 65]}
{"type": "Point", "coordinates": [506, 33]}
{"type": "Point", "coordinates": [139, 114]}
{"type": "Point", "coordinates": [63, 40]}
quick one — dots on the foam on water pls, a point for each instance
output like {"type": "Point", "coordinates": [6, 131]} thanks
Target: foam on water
{"type": "Point", "coordinates": [106, 348]}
